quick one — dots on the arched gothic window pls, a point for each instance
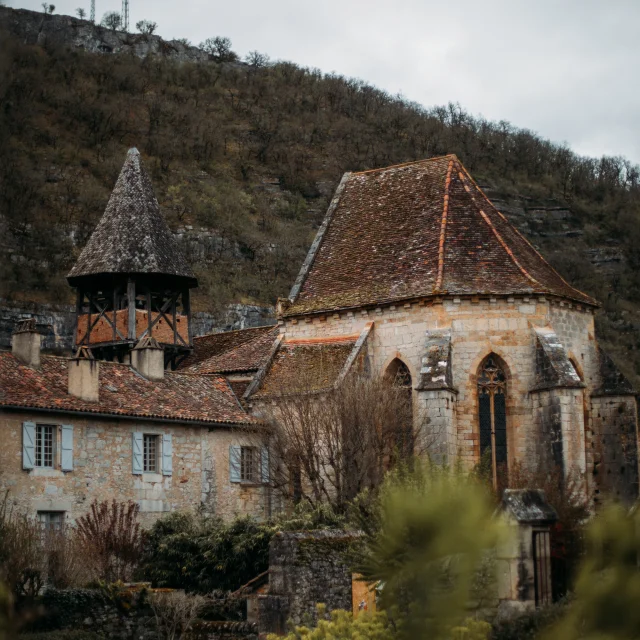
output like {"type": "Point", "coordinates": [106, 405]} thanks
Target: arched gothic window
{"type": "Point", "coordinates": [399, 376]}
{"type": "Point", "coordinates": [492, 396]}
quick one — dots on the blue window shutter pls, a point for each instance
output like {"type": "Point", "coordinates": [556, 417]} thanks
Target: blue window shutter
{"type": "Point", "coordinates": [167, 454]}
{"type": "Point", "coordinates": [66, 459]}
{"type": "Point", "coordinates": [234, 463]}
{"type": "Point", "coordinates": [136, 457]}
{"type": "Point", "coordinates": [264, 464]}
{"type": "Point", "coordinates": [28, 445]}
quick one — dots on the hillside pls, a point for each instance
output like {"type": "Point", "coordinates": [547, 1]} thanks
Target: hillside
{"type": "Point", "coordinates": [244, 158]}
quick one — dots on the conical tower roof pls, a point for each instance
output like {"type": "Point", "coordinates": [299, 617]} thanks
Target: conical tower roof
{"type": "Point", "coordinates": [132, 236]}
{"type": "Point", "coordinates": [416, 230]}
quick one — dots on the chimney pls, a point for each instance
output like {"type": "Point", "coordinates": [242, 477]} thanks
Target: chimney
{"type": "Point", "coordinates": [147, 358]}
{"type": "Point", "coordinates": [84, 376]}
{"type": "Point", "coordinates": [25, 342]}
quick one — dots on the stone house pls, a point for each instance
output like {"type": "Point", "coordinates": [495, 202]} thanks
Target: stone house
{"type": "Point", "coordinates": [116, 421]}
{"type": "Point", "coordinates": [416, 268]}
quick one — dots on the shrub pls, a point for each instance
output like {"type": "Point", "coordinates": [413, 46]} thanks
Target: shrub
{"type": "Point", "coordinates": [342, 625]}
{"type": "Point", "coordinates": [22, 553]}
{"type": "Point", "coordinates": [201, 554]}
{"type": "Point", "coordinates": [111, 537]}
{"type": "Point", "coordinates": [431, 531]}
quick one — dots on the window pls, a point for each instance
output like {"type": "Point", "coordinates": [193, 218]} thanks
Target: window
{"type": "Point", "coordinates": [150, 458]}
{"type": "Point", "coordinates": [402, 437]}
{"type": "Point", "coordinates": [249, 464]}
{"type": "Point", "coordinates": [51, 520]}
{"type": "Point", "coordinates": [45, 445]}
{"type": "Point", "coordinates": [492, 394]}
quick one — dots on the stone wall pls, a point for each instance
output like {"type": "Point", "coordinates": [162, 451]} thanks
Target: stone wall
{"type": "Point", "coordinates": [305, 569]}
{"type": "Point", "coordinates": [102, 469]}
{"type": "Point", "coordinates": [612, 448]}
{"type": "Point", "coordinates": [503, 326]}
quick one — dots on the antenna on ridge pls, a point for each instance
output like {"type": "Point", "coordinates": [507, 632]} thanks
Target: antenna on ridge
{"type": "Point", "coordinates": [125, 15]}
{"type": "Point", "coordinates": [93, 11]}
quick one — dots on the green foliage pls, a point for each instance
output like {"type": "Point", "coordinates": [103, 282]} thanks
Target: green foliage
{"type": "Point", "coordinates": [204, 554]}
{"type": "Point", "coordinates": [432, 531]}
{"type": "Point", "coordinates": [607, 590]}
{"type": "Point", "coordinates": [342, 625]}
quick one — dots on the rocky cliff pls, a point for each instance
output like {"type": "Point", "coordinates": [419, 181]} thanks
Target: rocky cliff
{"type": "Point", "coordinates": [53, 30]}
{"type": "Point", "coordinates": [56, 322]}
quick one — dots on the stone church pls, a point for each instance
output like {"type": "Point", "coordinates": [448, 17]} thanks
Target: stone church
{"type": "Point", "coordinates": [414, 265]}
{"type": "Point", "coordinates": [413, 270]}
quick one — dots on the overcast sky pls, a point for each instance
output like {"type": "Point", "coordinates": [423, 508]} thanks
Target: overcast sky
{"type": "Point", "coordinates": [566, 69]}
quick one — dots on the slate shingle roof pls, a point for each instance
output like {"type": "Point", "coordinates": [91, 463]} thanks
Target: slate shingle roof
{"type": "Point", "coordinates": [132, 236]}
{"type": "Point", "coordinates": [230, 351]}
{"type": "Point", "coordinates": [309, 365]}
{"type": "Point", "coordinates": [416, 230]}
{"type": "Point", "coordinates": [123, 392]}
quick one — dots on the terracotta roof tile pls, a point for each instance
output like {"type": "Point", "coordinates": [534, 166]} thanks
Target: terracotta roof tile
{"type": "Point", "coordinates": [243, 350]}
{"type": "Point", "coordinates": [306, 365]}
{"type": "Point", "coordinates": [132, 236]}
{"type": "Point", "coordinates": [123, 392]}
{"type": "Point", "coordinates": [416, 230]}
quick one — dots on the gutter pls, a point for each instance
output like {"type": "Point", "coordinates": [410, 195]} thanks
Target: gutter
{"type": "Point", "coordinates": [111, 416]}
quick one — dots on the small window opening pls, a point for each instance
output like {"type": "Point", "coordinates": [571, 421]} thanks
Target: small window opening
{"type": "Point", "coordinates": [45, 445]}
{"type": "Point", "coordinates": [249, 464]}
{"type": "Point", "coordinates": [150, 453]}
{"type": "Point", "coordinates": [51, 520]}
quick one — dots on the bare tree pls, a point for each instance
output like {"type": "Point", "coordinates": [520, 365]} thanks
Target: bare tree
{"type": "Point", "coordinates": [146, 27]}
{"type": "Point", "coordinates": [48, 8]}
{"type": "Point", "coordinates": [175, 612]}
{"type": "Point", "coordinates": [112, 20]}
{"type": "Point", "coordinates": [257, 59]}
{"type": "Point", "coordinates": [328, 447]}
{"type": "Point", "coordinates": [220, 48]}
{"type": "Point", "coordinates": [81, 13]}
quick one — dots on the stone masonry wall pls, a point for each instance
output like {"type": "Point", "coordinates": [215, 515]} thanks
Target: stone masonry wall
{"type": "Point", "coordinates": [502, 326]}
{"type": "Point", "coordinates": [305, 569]}
{"type": "Point", "coordinates": [560, 441]}
{"type": "Point", "coordinates": [613, 448]}
{"type": "Point", "coordinates": [102, 452]}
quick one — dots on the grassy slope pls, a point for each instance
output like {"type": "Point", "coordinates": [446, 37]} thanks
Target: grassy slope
{"type": "Point", "coordinates": [254, 154]}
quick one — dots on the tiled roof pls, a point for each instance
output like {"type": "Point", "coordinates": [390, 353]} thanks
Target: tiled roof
{"type": "Point", "coordinates": [300, 366]}
{"type": "Point", "coordinates": [416, 230]}
{"type": "Point", "coordinates": [132, 236]}
{"type": "Point", "coordinates": [123, 392]}
{"type": "Point", "coordinates": [243, 350]}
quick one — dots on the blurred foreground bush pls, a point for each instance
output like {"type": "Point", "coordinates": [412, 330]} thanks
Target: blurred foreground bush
{"type": "Point", "coordinates": [432, 532]}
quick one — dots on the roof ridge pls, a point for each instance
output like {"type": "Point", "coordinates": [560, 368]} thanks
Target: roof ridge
{"type": "Point", "coordinates": [499, 237]}
{"type": "Point", "coordinates": [443, 226]}
{"type": "Point", "coordinates": [218, 333]}
{"type": "Point", "coordinates": [522, 237]}
{"type": "Point", "coordinates": [406, 164]}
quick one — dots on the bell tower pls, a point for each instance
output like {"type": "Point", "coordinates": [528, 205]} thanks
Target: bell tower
{"type": "Point", "coordinates": [131, 279]}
